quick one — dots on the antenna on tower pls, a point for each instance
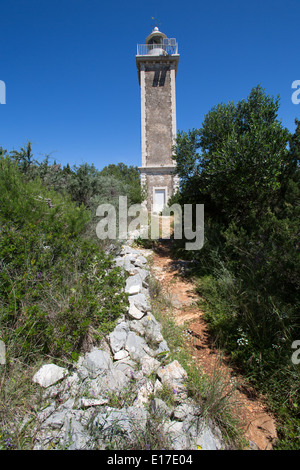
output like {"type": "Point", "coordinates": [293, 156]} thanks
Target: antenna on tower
{"type": "Point", "coordinates": [156, 22]}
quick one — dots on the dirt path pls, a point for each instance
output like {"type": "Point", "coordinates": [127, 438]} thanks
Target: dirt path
{"type": "Point", "coordinates": [257, 424]}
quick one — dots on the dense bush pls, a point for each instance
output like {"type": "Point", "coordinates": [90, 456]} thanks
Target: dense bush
{"type": "Point", "coordinates": [58, 289]}
{"type": "Point", "coordinates": [84, 183]}
{"type": "Point", "coordinates": [244, 166]}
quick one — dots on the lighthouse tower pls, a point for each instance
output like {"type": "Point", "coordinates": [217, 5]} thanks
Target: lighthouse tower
{"type": "Point", "coordinates": [157, 62]}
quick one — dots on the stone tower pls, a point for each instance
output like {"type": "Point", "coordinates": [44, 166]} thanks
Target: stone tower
{"type": "Point", "coordinates": [157, 62]}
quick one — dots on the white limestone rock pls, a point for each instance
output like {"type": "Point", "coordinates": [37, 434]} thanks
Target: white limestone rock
{"type": "Point", "coordinates": [97, 362]}
{"type": "Point", "coordinates": [117, 338]}
{"type": "Point", "coordinates": [134, 284]}
{"type": "Point", "coordinates": [134, 312]}
{"type": "Point", "coordinates": [163, 349]}
{"type": "Point", "coordinates": [152, 329]}
{"type": "Point", "coordinates": [76, 437]}
{"type": "Point", "coordinates": [160, 408]}
{"type": "Point", "coordinates": [140, 301]}
{"type": "Point", "coordinates": [176, 433]}
{"type": "Point", "coordinates": [157, 386]}
{"type": "Point", "coordinates": [149, 365]}
{"type": "Point", "coordinates": [122, 354]}
{"type": "Point", "coordinates": [49, 374]}
{"type": "Point", "coordinates": [183, 410]}
{"type": "Point", "coordinates": [89, 402]}
{"type": "Point", "coordinates": [136, 346]}
{"type": "Point", "coordinates": [143, 395]}
{"type": "Point", "coordinates": [137, 327]}
{"type": "Point", "coordinates": [173, 375]}
{"type": "Point", "coordinates": [127, 366]}
{"type": "Point", "coordinates": [140, 261]}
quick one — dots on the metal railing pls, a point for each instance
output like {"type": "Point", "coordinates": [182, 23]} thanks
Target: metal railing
{"type": "Point", "coordinates": [158, 49]}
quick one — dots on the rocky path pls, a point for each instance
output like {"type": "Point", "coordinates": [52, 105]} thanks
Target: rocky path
{"type": "Point", "coordinates": [258, 425]}
{"type": "Point", "coordinates": [124, 393]}
{"type": "Point", "coordinates": [110, 397]}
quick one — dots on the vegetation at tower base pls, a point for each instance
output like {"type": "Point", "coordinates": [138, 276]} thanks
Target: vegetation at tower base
{"type": "Point", "coordinates": [243, 165]}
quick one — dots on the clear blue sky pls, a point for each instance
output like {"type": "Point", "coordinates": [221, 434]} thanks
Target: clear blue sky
{"type": "Point", "coordinates": [71, 80]}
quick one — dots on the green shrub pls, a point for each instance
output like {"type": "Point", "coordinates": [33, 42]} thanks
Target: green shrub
{"type": "Point", "coordinates": [55, 285]}
{"type": "Point", "coordinates": [243, 165]}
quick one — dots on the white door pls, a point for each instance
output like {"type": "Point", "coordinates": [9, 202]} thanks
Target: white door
{"type": "Point", "coordinates": [159, 200]}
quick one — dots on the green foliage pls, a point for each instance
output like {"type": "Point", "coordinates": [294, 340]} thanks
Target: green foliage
{"type": "Point", "coordinates": [24, 158]}
{"type": "Point", "coordinates": [84, 183]}
{"type": "Point", "coordinates": [55, 286]}
{"type": "Point", "coordinates": [26, 202]}
{"type": "Point", "coordinates": [244, 166]}
{"type": "Point", "coordinates": [92, 187]}
{"type": "Point", "coordinates": [129, 176]}
{"type": "Point", "coordinates": [243, 154]}
{"type": "Point", "coordinates": [59, 291]}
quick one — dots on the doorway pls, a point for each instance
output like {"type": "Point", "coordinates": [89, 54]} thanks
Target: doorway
{"type": "Point", "coordinates": [159, 199]}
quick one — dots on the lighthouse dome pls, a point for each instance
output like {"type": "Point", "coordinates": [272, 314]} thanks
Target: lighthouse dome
{"type": "Point", "coordinates": [155, 42]}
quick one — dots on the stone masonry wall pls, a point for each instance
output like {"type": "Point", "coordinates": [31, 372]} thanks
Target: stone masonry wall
{"type": "Point", "coordinates": [158, 114]}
